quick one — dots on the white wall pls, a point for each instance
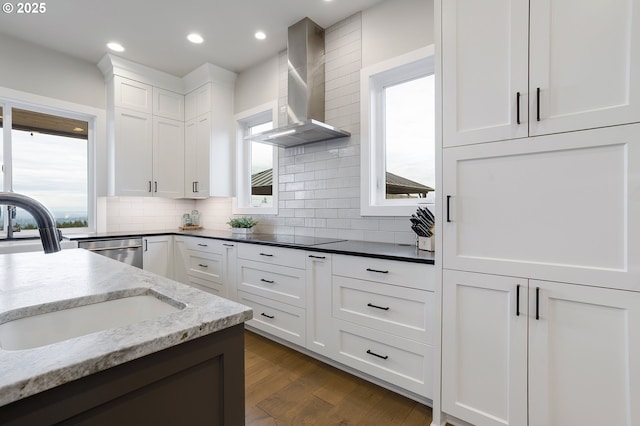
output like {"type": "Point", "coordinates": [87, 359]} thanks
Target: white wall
{"type": "Point", "coordinates": [30, 68]}
{"type": "Point", "coordinates": [256, 86]}
{"type": "Point", "coordinates": [394, 27]}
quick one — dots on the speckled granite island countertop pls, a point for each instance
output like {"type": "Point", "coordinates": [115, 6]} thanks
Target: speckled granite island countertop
{"type": "Point", "coordinates": [30, 280]}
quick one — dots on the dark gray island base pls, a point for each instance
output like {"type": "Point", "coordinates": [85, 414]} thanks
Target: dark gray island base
{"type": "Point", "coordinates": [197, 382]}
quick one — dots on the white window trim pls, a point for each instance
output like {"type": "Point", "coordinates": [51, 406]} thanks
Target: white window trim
{"type": "Point", "coordinates": [241, 202]}
{"type": "Point", "coordinates": [372, 79]}
{"type": "Point", "coordinates": [96, 132]}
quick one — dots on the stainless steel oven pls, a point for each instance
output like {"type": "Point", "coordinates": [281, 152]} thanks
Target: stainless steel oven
{"type": "Point", "coordinates": [126, 250]}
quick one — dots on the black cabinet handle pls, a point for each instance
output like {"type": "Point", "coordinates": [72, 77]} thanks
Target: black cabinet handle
{"type": "Point", "coordinates": [375, 354]}
{"type": "Point", "coordinates": [538, 104]}
{"type": "Point", "coordinates": [377, 270]}
{"type": "Point", "coordinates": [203, 245]}
{"type": "Point", "coordinates": [266, 254]}
{"type": "Point", "coordinates": [228, 245]}
{"type": "Point", "coordinates": [268, 316]}
{"type": "Point", "coordinates": [146, 245]}
{"type": "Point", "coordinates": [317, 257]}
{"type": "Point", "coordinates": [518, 300]}
{"type": "Point", "coordinates": [448, 207]}
{"type": "Point", "coordinates": [155, 186]}
{"type": "Point", "coordinates": [266, 281]}
{"type": "Point", "coordinates": [203, 265]}
{"type": "Point", "coordinates": [518, 108]}
{"type": "Point", "coordinates": [537, 303]}
{"type": "Point", "coordinates": [149, 186]}
{"type": "Point", "coordinates": [377, 307]}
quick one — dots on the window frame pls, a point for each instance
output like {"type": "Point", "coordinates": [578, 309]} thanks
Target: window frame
{"type": "Point", "coordinates": [242, 201]}
{"type": "Point", "coordinates": [373, 80]}
{"type": "Point", "coordinates": [17, 100]}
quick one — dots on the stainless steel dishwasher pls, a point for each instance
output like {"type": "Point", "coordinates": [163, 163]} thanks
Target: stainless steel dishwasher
{"type": "Point", "coordinates": [126, 250]}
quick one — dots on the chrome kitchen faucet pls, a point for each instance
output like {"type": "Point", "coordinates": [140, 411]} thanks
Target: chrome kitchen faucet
{"type": "Point", "coordinates": [49, 234]}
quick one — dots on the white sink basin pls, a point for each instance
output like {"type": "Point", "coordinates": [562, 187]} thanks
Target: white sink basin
{"type": "Point", "coordinates": [58, 325]}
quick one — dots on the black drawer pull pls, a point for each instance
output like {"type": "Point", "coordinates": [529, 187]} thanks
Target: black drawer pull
{"type": "Point", "coordinates": [377, 270]}
{"type": "Point", "coordinates": [317, 257]}
{"type": "Point", "coordinates": [266, 254]}
{"type": "Point", "coordinates": [375, 354]}
{"type": "Point", "coordinates": [538, 104]}
{"type": "Point", "coordinates": [266, 281]}
{"type": "Point", "coordinates": [268, 316]}
{"type": "Point", "coordinates": [203, 245]}
{"type": "Point", "coordinates": [518, 300]}
{"type": "Point", "coordinates": [517, 107]}
{"type": "Point", "coordinates": [537, 303]}
{"type": "Point", "coordinates": [228, 245]}
{"type": "Point", "coordinates": [203, 265]}
{"type": "Point", "coordinates": [377, 307]}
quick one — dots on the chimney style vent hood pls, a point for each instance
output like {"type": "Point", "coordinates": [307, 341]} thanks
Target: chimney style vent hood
{"type": "Point", "coordinates": [305, 111]}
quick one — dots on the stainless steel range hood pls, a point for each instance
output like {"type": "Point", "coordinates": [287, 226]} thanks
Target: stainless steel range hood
{"type": "Point", "coordinates": [305, 110]}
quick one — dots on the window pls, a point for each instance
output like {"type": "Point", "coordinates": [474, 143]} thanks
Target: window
{"type": "Point", "coordinates": [46, 156]}
{"type": "Point", "coordinates": [257, 168]}
{"type": "Point", "coordinates": [398, 135]}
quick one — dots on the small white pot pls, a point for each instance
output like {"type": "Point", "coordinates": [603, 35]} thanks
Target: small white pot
{"type": "Point", "coordinates": [244, 231]}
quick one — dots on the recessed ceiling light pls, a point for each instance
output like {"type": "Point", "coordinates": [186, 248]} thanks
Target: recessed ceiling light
{"type": "Point", "coordinates": [116, 47]}
{"type": "Point", "coordinates": [78, 129]}
{"type": "Point", "coordinates": [195, 38]}
{"type": "Point", "coordinates": [260, 35]}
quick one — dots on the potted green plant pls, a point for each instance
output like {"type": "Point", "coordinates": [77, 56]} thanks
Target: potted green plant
{"type": "Point", "coordinates": [242, 225]}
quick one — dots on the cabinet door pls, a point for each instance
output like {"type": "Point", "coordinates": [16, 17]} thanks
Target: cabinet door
{"type": "Point", "coordinates": [320, 329]}
{"type": "Point", "coordinates": [197, 157]}
{"type": "Point", "coordinates": [585, 58]}
{"type": "Point", "coordinates": [557, 207]}
{"type": "Point", "coordinates": [132, 95]}
{"type": "Point", "coordinates": [484, 63]}
{"type": "Point", "coordinates": [168, 104]}
{"type": "Point", "coordinates": [180, 259]}
{"type": "Point", "coordinates": [168, 158]}
{"type": "Point", "coordinates": [133, 145]}
{"type": "Point", "coordinates": [198, 102]}
{"type": "Point", "coordinates": [157, 255]}
{"type": "Point", "coordinates": [484, 348]}
{"type": "Point", "coordinates": [584, 348]}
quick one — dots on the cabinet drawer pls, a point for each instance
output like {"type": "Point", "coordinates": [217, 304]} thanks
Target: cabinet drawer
{"type": "Point", "coordinates": [207, 245]}
{"type": "Point", "coordinates": [407, 274]}
{"type": "Point", "coordinates": [273, 255]}
{"type": "Point", "coordinates": [281, 320]}
{"type": "Point", "coordinates": [276, 282]}
{"type": "Point", "coordinates": [401, 311]}
{"type": "Point", "coordinates": [403, 362]}
{"type": "Point", "coordinates": [207, 285]}
{"type": "Point", "coordinates": [207, 266]}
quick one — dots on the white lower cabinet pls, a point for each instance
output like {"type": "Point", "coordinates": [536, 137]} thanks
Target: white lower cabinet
{"type": "Point", "coordinates": [383, 315]}
{"type": "Point", "coordinates": [157, 255]}
{"type": "Point", "coordinates": [271, 280]}
{"type": "Point", "coordinates": [320, 329]}
{"type": "Point", "coordinates": [527, 352]}
{"type": "Point", "coordinates": [206, 264]}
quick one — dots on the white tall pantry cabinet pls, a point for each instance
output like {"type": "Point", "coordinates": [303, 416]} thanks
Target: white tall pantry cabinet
{"type": "Point", "coordinates": [540, 212]}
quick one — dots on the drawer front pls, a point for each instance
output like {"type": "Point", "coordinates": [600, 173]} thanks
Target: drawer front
{"type": "Point", "coordinates": [281, 320]}
{"type": "Point", "coordinates": [207, 266]}
{"type": "Point", "coordinates": [273, 281]}
{"type": "Point", "coordinates": [273, 255]}
{"type": "Point", "coordinates": [404, 363]}
{"type": "Point", "coordinates": [401, 311]}
{"type": "Point", "coordinates": [206, 285]}
{"type": "Point", "coordinates": [207, 245]}
{"type": "Point", "coordinates": [406, 274]}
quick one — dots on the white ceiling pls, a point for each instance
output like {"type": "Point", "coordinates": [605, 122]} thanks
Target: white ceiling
{"type": "Point", "coordinates": [154, 31]}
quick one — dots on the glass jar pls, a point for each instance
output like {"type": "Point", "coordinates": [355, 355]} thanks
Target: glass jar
{"type": "Point", "coordinates": [195, 217]}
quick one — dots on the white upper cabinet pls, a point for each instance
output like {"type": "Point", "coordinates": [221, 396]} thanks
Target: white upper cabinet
{"type": "Point", "coordinates": [168, 104]}
{"type": "Point", "coordinates": [198, 102]}
{"type": "Point", "coordinates": [132, 95]}
{"type": "Point", "coordinates": [168, 158]}
{"type": "Point", "coordinates": [511, 69]}
{"type": "Point", "coordinates": [484, 62]}
{"type": "Point", "coordinates": [131, 161]}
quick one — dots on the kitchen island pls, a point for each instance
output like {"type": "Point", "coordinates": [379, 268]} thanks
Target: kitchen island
{"type": "Point", "coordinates": [180, 365]}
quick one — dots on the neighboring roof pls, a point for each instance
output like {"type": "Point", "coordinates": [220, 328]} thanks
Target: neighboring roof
{"type": "Point", "coordinates": [261, 184]}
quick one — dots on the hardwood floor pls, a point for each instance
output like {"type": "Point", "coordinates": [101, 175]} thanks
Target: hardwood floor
{"type": "Point", "coordinates": [285, 387]}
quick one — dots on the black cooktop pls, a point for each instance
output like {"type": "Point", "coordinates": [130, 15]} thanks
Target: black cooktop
{"type": "Point", "coordinates": [293, 240]}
